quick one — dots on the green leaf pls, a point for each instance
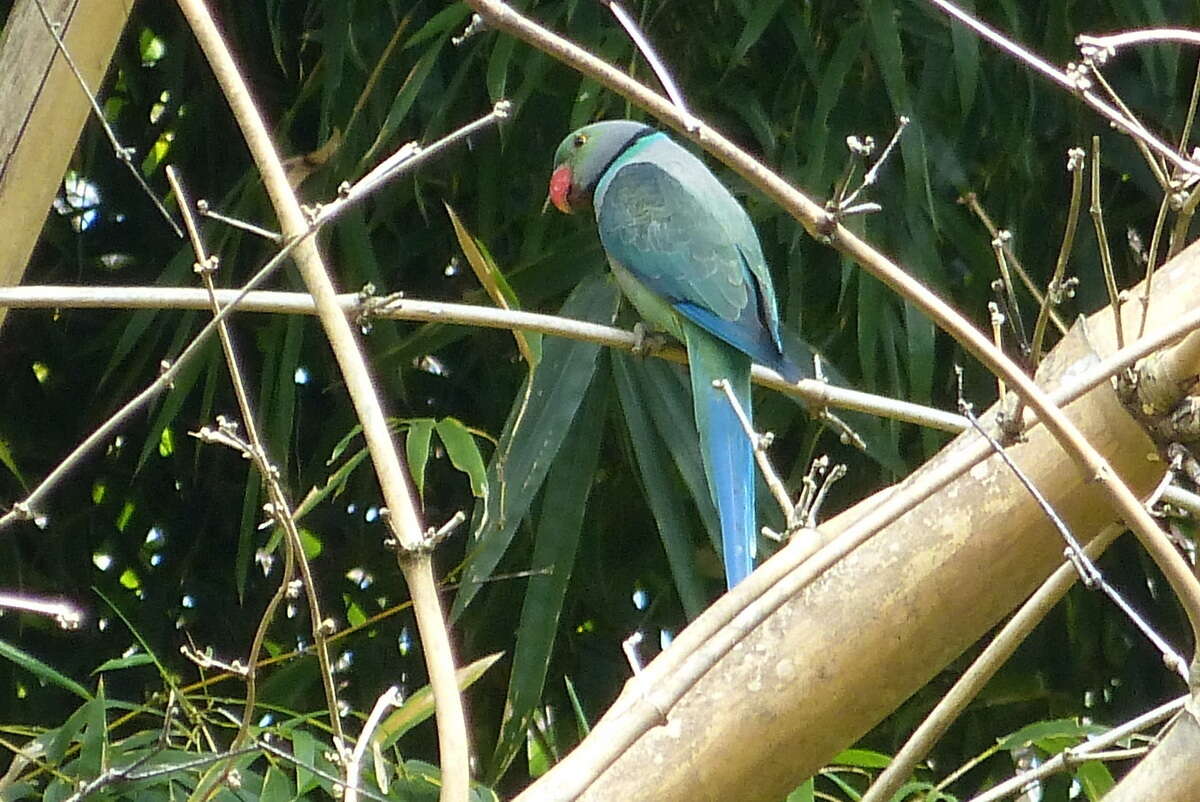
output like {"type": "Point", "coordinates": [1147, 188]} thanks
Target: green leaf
{"type": "Point", "coordinates": [497, 286]}
{"type": "Point", "coordinates": [304, 749]}
{"type": "Point", "coordinates": [966, 60]}
{"type": "Point", "coordinates": [464, 453]}
{"type": "Point", "coordinates": [403, 102]}
{"type": "Point", "coordinates": [40, 670]}
{"type": "Point", "coordinates": [666, 392]}
{"type": "Point", "coordinates": [582, 728]}
{"type": "Point", "coordinates": [1095, 779]}
{"type": "Point", "coordinates": [1052, 736]}
{"type": "Point", "coordinates": [497, 71]}
{"type": "Point", "coordinates": [334, 484]}
{"type": "Point", "coordinates": [761, 14]}
{"type": "Point", "coordinates": [445, 21]}
{"type": "Point", "coordinates": [654, 455]}
{"type": "Point", "coordinates": [419, 706]}
{"type": "Point", "coordinates": [94, 738]}
{"type": "Point", "coordinates": [311, 543]}
{"type": "Point", "coordinates": [8, 461]}
{"type": "Point", "coordinates": [556, 540]}
{"type": "Point", "coordinates": [805, 792]}
{"type": "Point", "coordinates": [132, 661]}
{"type": "Point", "coordinates": [862, 758]}
{"type": "Point", "coordinates": [416, 450]}
{"type": "Point", "coordinates": [538, 423]}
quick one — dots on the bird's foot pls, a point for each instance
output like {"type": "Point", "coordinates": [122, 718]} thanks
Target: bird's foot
{"type": "Point", "coordinates": [647, 342]}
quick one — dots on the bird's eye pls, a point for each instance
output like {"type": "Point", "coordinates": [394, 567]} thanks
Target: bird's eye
{"type": "Point", "coordinates": [580, 140]}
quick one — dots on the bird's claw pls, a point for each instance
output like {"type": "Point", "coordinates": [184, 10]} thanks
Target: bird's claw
{"type": "Point", "coordinates": [645, 341]}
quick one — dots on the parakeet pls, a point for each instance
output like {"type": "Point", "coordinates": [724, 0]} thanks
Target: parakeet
{"type": "Point", "coordinates": [686, 255]}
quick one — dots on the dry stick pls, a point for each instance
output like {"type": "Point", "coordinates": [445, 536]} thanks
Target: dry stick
{"type": "Point", "coordinates": [218, 774]}
{"type": "Point", "coordinates": [204, 266]}
{"type": "Point", "coordinates": [760, 443]}
{"type": "Point", "coordinates": [281, 508]}
{"type": "Point", "coordinates": [1152, 258]}
{"type": "Point", "coordinates": [1157, 168]}
{"type": "Point", "coordinates": [1097, 213]}
{"type": "Point", "coordinates": [64, 613]}
{"type": "Point", "coordinates": [1076, 83]}
{"type": "Point", "coordinates": [997, 321]}
{"type": "Point", "coordinates": [390, 698]}
{"type": "Point", "coordinates": [1113, 41]}
{"type": "Point", "coordinates": [813, 217]}
{"type": "Point", "coordinates": [1054, 289]}
{"type": "Point", "coordinates": [1085, 751]}
{"type": "Point", "coordinates": [414, 558]}
{"type": "Point", "coordinates": [981, 671]}
{"type": "Point", "coordinates": [289, 757]}
{"type": "Point", "coordinates": [501, 16]}
{"type": "Point", "coordinates": [971, 201]}
{"type": "Point", "coordinates": [1185, 500]}
{"type": "Point", "coordinates": [123, 154]}
{"type": "Point", "coordinates": [1002, 246]}
{"type": "Point", "coordinates": [1185, 200]}
{"type": "Point", "coordinates": [816, 392]}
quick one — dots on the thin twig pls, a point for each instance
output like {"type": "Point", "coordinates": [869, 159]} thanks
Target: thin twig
{"type": "Point", "coordinates": [415, 561]}
{"type": "Point", "coordinates": [281, 507]}
{"type": "Point", "coordinates": [123, 154]}
{"type": "Point", "coordinates": [387, 700]}
{"type": "Point", "coordinates": [817, 393]}
{"type": "Point", "coordinates": [971, 201]}
{"type": "Point", "coordinates": [1075, 83]}
{"type": "Point", "coordinates": [1068, 757]}
{"type": "Point", "coordinates": [408, 156]}
{"type": "Point", "coordinates": [206, 211]}
{"type": "Point", "coordinates": [1113, 41]}
{"type": "Point", "coordinates": [1152, 258]}
{"type": "Point", "coordinates": [1055, 289]}
{"type": "Point", "coordinates": [648, 52]}
{"type": "Point", "coordinates": [65, 614]}
{"type": "Point", "coordinates": [760, 443]}
{"type": "Point", "coordinates": [997, 322]}
{"type": "Point", "coordinates": [1001, 246]}
{"type": "Point", "coordinates": [846, 205]}
{"type": "Point", "coordinates": [1186, 196]}
{"type": "Point", "coordinates": [1097, 212]}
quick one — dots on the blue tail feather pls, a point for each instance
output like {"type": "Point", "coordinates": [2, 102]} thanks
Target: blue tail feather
{"type": "Point", "coordinates": [726, 450]}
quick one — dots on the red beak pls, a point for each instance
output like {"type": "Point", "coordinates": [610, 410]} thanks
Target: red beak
{"type": "Point", "coordinates": [560, 187]}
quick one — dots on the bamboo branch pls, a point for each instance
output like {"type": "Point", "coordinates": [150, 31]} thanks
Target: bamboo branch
{"type": "Point", "coordinates": [415, 559]}
{"type": "Point", "coordinates": [817, 393]}
{"type": "Point", "coordinates": [980, 672]}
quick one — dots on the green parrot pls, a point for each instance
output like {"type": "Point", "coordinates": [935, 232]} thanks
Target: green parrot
{"type": "Point", "coordinates": [686, 255]}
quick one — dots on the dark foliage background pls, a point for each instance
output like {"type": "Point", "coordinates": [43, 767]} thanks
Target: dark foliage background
{"type": "Point", "coordinates": [157, 536]}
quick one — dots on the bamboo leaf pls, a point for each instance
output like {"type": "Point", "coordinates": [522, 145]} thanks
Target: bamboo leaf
{"type": "Point", "coordinates": [555, 542]}
{"type": "Point", "coordinates": [498, 288]}
{"type": "Point", "coordinates": [538, 423]}
{"type": "Point", "coordinates": [464, 454]}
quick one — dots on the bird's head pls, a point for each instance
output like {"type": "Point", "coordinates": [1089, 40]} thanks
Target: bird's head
{"type": "Point", "coordinates": [584, 156]}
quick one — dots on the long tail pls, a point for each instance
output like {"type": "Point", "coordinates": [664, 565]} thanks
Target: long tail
{"type": "Point", "coordinates": [727, 452]}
